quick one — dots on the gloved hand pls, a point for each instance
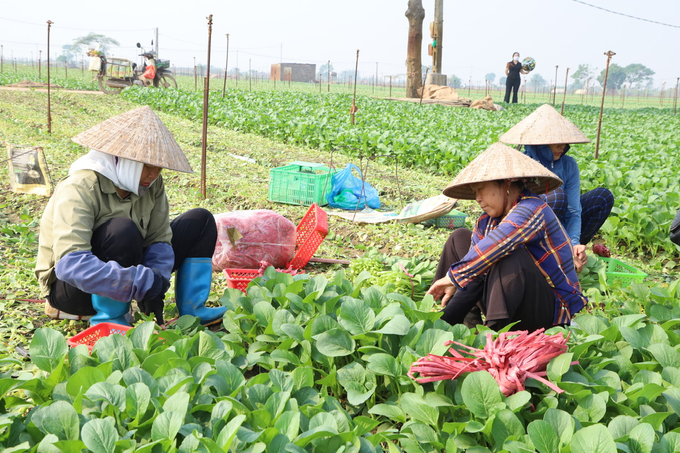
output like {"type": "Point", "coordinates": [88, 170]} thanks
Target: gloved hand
{"type": "Point", "coordinates": [154, 297]}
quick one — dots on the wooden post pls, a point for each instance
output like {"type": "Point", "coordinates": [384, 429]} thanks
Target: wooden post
{"type": "Point", "coordinates": [555, 87]}
{"type": "Point", "coordinates": [353, 109]}
{"type": "Point", "coordinates": [675, 100]}
{"type": "Point", "coordinates": [226, 69]}
{"type": "Point", "coordinates": [206, 91]}
{"type": "Point", "coordinates": [609, 55]}
{"type": "Point", "coordinates": [49, 97]}
{"type": "Point", "coordinates": [623, 96]}
{"type": "Point", "coordinates": [564, 96]}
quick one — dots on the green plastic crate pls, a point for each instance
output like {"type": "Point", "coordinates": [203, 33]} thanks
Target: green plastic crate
{"type": "Point", "coordinates": [617, 269]}
{"type": "Point", "coordinates": [454, 219]}
{"type": "Point", "coordinates": [301, 183]}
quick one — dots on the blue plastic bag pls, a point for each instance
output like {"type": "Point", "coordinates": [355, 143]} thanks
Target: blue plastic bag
{"type": "Point", "coordinates": [346, 191]}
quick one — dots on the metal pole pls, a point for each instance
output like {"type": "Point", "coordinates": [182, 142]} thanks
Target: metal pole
{"type": "Point", "coordinates": [422, 89]}
{"type": "Point", "coordinates": [609, 55]}
{"type": "Point", "coordinates": [564, 97]}
{"type": "Point", "coordinates": [206, 90]}
{"type": "Point", "coordinates": [675, 101]}
{"type": "Point", "coordinates": [49, 97]}
{"type": "Point", "coordinates": [353, 109]}
{"type": "Point", "coordinates": [623, 96]}
{"type": "Point", "coordinates": [156, 42]}
{"type": "Point", "coordinates": [555, 87]}
{"type": "Point", "coordinates": [226, 68]}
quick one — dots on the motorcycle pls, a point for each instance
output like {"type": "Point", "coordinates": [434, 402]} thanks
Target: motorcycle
{"type": "Point", "coordinates": [115, 74]}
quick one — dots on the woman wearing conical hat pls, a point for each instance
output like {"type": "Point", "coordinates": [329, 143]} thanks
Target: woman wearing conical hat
{"type": "Point", "coordinates": [547, 136]}
{"type": "Point", "coordinates": [517, 264]}
{"type": "Point", "coordinates": [106, 237]}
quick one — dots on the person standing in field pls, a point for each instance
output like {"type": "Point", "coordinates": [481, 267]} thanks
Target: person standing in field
{"type": "Point", "coordinates": [106, 238]}
{"type": "Point", "coordinates": [547, 136]}
{"type": "Point", "coordinates": [512, 71]}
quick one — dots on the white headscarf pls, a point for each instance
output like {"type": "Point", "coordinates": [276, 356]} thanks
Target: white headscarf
{"type": "Point", "coordinates": [124, 173]}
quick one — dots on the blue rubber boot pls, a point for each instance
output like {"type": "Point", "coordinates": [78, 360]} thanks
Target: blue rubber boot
{"type": "Point", "coordinates": [192, 288]}
{"type": "Point", "coordinates": [109, 310]}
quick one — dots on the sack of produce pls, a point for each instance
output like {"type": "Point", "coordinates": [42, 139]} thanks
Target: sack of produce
{"type": "Point", "coordinates": [350, 192]}
{"type": "Point", "coordinates": [245, 238]}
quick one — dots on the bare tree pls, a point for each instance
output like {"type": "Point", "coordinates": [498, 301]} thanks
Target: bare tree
{"type": "Point", "coordinates": [415, 15]}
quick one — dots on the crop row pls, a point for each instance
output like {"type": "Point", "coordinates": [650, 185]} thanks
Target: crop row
{"type": "Point", "coordinates": [320, 365]}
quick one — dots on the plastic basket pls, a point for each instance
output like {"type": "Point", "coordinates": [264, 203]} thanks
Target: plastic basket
{"type": "Point", "coordinates": [301, 183]}
{"type": "Point", "coordinates": [118, 67]}
{"type": "Point", "coordinates": [617, 269]}
{"type": "Point", "coordinates": [310, 233]}
{"type": "Point", "coordinates": [90, 335]}
{"type": "Point", "coordinates": [239, 278]}
{"type": "Point", "coordinates": [454, 219]}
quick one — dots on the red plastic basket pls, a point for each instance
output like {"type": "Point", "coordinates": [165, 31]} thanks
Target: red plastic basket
{"type": "Point", "coordinates": [310, 233]}
{"type": "Point", "coordinates": [90, 335]}
{"type": "Point", "coordinates": [239, 278]}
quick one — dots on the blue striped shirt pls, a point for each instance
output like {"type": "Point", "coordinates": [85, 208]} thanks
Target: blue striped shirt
{"type": "Point", "coordinates": [532, 224]}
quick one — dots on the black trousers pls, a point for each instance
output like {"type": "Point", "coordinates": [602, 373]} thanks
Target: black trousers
{"type": "Point", "coordinates": [512, 84]}
{"type": "Point", "coordinates": [194, 235]}
{"type": "Point", "coordinates": [514, 289]}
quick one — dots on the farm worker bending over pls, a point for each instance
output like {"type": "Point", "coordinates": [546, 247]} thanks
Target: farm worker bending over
{"type": "Point", "coordinates": [106, 238]}
{"type": "Point", "coordinates": [518, 263]}
{"type": "Point", "coordinates": [546, 136]}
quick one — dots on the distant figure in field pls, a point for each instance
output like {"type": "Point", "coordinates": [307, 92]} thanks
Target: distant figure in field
{"type": "Point", "coordinates": [512, 71]}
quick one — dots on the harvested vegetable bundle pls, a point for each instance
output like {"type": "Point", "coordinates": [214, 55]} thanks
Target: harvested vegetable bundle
{"type": "Point", "coordinates": [510, 359]}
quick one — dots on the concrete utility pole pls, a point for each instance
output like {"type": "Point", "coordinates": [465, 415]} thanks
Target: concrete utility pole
{"type": "Point", "coordinates": [436, 33]}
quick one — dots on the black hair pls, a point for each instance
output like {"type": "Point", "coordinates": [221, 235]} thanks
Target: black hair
{"type": "Point", "coordinates": [518, 184]}
{"type": "Point", "coordinates": [513, 54]}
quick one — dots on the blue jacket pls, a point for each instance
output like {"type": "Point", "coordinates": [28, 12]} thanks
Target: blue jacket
{"type": "Point", "coordinates": [567, 169]}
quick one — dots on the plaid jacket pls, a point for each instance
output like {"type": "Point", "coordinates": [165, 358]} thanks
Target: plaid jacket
{"type": "Point", "coordinates": [532, 224]}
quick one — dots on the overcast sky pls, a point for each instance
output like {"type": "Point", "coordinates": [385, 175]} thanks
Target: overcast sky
{"type": "Point", "coordinates": [479, 36]}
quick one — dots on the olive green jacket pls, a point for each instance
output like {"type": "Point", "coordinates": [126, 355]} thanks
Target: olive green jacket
{"type": "Point", "coordinates": [84, 201]}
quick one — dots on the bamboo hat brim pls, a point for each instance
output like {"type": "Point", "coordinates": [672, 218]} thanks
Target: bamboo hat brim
{"type": "Point", "coordinates": [501, 162]}
{"type": "Point", "coordinates": [544, 126]}
{"type": "Point", "coordinates": [138, 135]}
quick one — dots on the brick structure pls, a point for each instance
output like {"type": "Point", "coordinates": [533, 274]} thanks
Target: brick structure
{"type": "Point", "coordinates": [295, 72]}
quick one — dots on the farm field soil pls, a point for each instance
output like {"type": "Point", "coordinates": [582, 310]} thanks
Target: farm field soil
{"type": "Point", "coordinates": [232, 184]}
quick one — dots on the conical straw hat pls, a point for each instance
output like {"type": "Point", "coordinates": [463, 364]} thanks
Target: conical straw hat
{"type": "Point", "coordinates": [137, 135]}
{"type": "Point", "coordinates": [500, 161]}
{"type": "Point", "coordinates": [543, 127]}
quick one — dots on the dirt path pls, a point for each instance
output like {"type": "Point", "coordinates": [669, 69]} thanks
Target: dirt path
{"type": "Point", "coordinates": [44, 90]}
